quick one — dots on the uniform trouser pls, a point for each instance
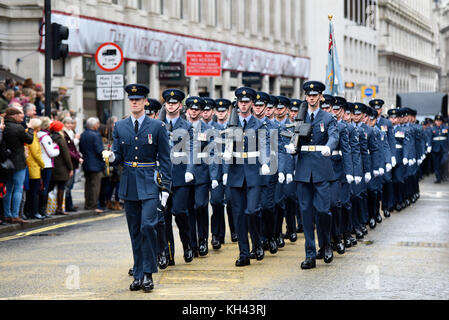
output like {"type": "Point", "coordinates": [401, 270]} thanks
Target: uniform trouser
{"type": "Point", "coordinates": [217, 220]}
{"type": "Point", "coordinates": [336, 211]}
{"type": "Point", "coordinates": [142, 218]}
{"type": "Point", "coordinates": [199, 213]}
{"type": "Point", "coordinates": [177, 207]}
{"type": "Point", "coordinates": [279, 209]}
{"type": "Point", "coordinates": [363, 213]}
{"type": "Point", "coordinates": [437, 164]}
{"type": "Point", "coordinates": [229, 209]}
{"type": "Point", "coordinates": [355, 214]}
{"type": "Point", "coordinates": [314, 203]}
{"type": "Point", "coordinates": [346, 210]}
{"type": "Point", "coordinates": [245, 207]}
{"type": "Point", "coordinates": [291, 206]}
{"type": "Point", "coordinates": [268, 195]}
{"type": "Point", "coordinates": [373, 203]}
{"type": "Point", "coordinates": [387, 196]}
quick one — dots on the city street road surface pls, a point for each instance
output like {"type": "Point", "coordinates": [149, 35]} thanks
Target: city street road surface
{"type": "Point", "coordinates": [405, 257]}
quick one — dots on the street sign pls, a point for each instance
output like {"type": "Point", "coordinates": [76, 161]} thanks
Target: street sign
{"type": "Point", "coordinates": [107, 94]}
{"type": "Point", "coordinates": [169, 71]}
{"type": "Point", "coordinates": [203, 64]}
{"type": "Point", "coordinates": [369, 92]}
{"type": "Point", "coordinates": [110, 80]}
{"type": "Point", "coordinates": [109, 57]}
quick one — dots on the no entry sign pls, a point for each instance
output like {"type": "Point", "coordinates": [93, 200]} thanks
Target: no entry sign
{"type": "Point", "coordinates": [109, 57]}
{"type": "Point", "coordinates": [203, 64]}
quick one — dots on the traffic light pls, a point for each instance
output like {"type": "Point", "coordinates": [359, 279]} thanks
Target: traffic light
{"type": "Point", "coordinates": [59, 33]}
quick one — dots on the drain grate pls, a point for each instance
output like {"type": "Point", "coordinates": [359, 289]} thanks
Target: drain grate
{"type": "Point", "coordinates": [424, 244]}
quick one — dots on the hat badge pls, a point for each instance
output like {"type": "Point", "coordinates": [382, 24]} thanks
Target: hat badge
{"type": "Point", "coordinates": [172, 93]}
{"type": "Point", "coordinates": [244, 92]}
{"type": "Point", "coordinates": [312, 86]}
{"type": "Point", "coordinates": [356, 107]}
{"type": "Point", "coordinates": [195, 101]}
{"type": "Point", "coordinates": [258, 96]}
{"type": "Point", "coordinates": [295, 103]}
{"type": "Point", "coordinates": [134, 89]}
{"type": "Point", "coordinates": [220, 103]}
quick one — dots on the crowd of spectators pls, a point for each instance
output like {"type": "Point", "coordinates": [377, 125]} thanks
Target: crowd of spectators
{"type": "Point", "coordinates": [43, 155]}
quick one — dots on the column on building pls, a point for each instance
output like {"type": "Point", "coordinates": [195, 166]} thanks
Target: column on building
{"type": "Point", "coordinates": [154, 81]}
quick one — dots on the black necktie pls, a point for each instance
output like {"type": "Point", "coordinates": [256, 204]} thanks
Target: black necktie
{"type": "Point", "coordinates": [136, 126]}
{"type": "Point", "coordinates": [312, 116]}
{"type": "Point", "coordinates": [244, 124]}
{"type": "Point", "coordinates": [171, 126]}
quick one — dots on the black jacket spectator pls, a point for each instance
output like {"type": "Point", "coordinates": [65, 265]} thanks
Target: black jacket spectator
{"type": "Point", "coordinates": [15, 136]}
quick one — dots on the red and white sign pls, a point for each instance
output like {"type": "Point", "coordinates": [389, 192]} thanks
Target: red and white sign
{"type": "Point", "coordinates": [109, 57]}
{"type": "Point", "coordinates": [203, 64]}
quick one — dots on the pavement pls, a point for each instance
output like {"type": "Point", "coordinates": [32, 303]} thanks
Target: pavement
{"type": "Point", "coordinates": [78, 201]}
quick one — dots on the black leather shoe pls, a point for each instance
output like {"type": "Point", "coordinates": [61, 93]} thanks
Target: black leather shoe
{"type": "Point", "coordinates": [308, 264]}
{"type": "Point", "coordinates": [130, 272]}
{"type": "Point", "coordinates": [260, 254]}
{"type": "Point", "coordinates": [300, 229]}
{"type": "Point", "coordinates": [359, 235]}
{"type": "Point", "coordinates": [328, 255]}
{"type": "Point", "coordinates": [398, 207]}
{"type": "Point", "coordinates": [293, 237]}
{"type": "Point", "coordinates": [319, 255]}
{"type": "Point", "coordinates": [437, 182]}
{"type": "Point", "coordinates": [372, 223]}
{"type": "Point", "coordinates": [234, 237]}
{"type": "Point", "coordinates": [195, 252]}
{"type": "Point", "coordinates": [203, 249]}
{"type": "Point", "coordinates": [364, 230]}
{"type": "Point", "coordinates": [353, 241]}
{"type": "Point", "coordinates": [37, 216]}
{"type": "Point", "coordinates": [340, 248]}
{"type": "Point", "coordinates": [216, 244]}
{"type": "Point", "coordinates": [162, 260]}
{"type": "Point", "coordinates": [387, 214]}
{"type": "Point", "coordinates": [404, 205]}
{"type": "Point", "coordinates": [252, 254]}
{"type": "Point", "coordinates": [241, 262]}
{"type": "Point", "coordinates": [348, 243]}
{"type": "Point", "coordinates": [281, 242]}
{"type": "Point", "coordinates": [265, 245]}
{"type": "Point", "coordinates": [171, 262]}
{"type": "Point", "coordinates": [407, 202]}
{"type": "Point", "coordinates": [379, 218]}
{"type": "Point", "coordinates": [136, 285]}
{"type": "Point", "coordinates": [188, 255]}
{"type": "Point", "coordinates": [273, 246]}
{"type": "Point", "coordinates": [147, 283]}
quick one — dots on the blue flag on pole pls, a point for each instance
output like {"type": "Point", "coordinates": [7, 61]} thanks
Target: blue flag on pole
{"type": "Point", "coordinates": [334, 83]}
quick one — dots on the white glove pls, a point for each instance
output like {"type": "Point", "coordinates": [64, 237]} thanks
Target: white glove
{"type": "Point", "coordinates": [281, 178]}
{"type": "Point", "coordinates": [388, 167]}
{"type": "Point", "coordinates": [419, 162]}
{"type": "Point", "coordinates": [289, 178]}
{"type": "Point", "coordinates": [265, 170]}
{"type": "Point", "coordinates": [290, 148]}
{"type": "Point", "coordinates": [405, 161]}
{"type": "Point", "coordinates": [214, 184]}
{"type": "Point", "coordinates": [393, 162]}
{"type": "Point", "coordinates": [163, 197]}
{"type": "Point", "coordinates": [188, 177]}
{"type": "Point", "coordinates": [225, 179]}
{"type": "Point", "coordinates": [227, 156]}
{"type": "Point", "coordinates": [381, 171]}
{"type": "Point", "coordinates": [326, 152]}
{"type": "Point", "coordinates": [376, 173]}
{"type": "Point", "coordinates": [368, 177]}
{"type": "Point", "coordinates": [429, 149]}
{"type": "Point", "coordinates": [349, 178]}
{"type": "Point", "coordinates": [411, 162]}
{"type": "Point", "coordinates": [108, 154]}
{"type": "Point", "coordinates": [357, 180]}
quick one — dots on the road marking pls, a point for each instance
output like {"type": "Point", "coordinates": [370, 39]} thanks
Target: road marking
{"type": "Point", "coordinates": [58, 226]}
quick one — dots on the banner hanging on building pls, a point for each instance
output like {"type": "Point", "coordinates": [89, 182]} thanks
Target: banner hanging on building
{"type": "Point", "coordinates": [152, 46]}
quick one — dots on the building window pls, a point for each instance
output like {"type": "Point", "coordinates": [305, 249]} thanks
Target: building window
{"type": "Point", "coordinates": [139, 4]}
{"type": "Point", "coordinates": [200, 18]}
{"type": "Point", "coordinates": [114, 1]}
{"type": "Point", "coordinates": [162, 6]}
